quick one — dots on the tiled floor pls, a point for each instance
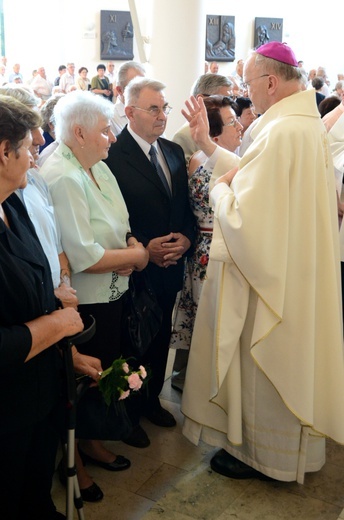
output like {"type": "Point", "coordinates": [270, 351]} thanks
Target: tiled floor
{"type": "Point", "coordinates": [171, 480]}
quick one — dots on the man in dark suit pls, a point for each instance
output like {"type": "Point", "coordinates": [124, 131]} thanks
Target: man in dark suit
{"type": "Point", "coordinates": [160, 216]}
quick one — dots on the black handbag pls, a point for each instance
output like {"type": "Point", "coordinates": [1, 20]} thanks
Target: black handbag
{"type": "Point", "coordinates": [142, 315]}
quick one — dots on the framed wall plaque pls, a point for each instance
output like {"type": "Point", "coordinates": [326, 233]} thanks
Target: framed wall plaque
{"type": "Point", "coordinates": [267, 30]}
{"type": "Point", "coordinates": [116, 35]}
{"type": "Point", "coordinates": [220, 38]}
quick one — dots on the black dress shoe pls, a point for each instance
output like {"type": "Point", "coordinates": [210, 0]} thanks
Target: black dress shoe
{"type": "Point", "coordinates": [161, 417]}
{"type": "Point", "coordinates": [119, 464]}
{"type": "Point", "coordinates": [91, 494]}
{"type": "Point", "coordinates": [229, 466]}
{"type": "Point", "coordinates": [138, 438]}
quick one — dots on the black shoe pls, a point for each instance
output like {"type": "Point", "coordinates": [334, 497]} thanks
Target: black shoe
{"type": "Point", "coordinates": [229, 466]}
{"type": "Point", "coordinates": [119, 464]}
{"type": "Point", "coordinates": [161, 417]}
{"type": "Point", "coordinates": [138, 438]}
{"type": "Point", "coordinates": [92, 493]}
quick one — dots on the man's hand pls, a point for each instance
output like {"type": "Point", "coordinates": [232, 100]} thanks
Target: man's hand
{"type": "Point", "coordinates": [176, 249]}
{"type": "Point", "coordinates": [197, 116]}
{"type": "Point", "coordinates": [166, 250]}
{"type": "Point", "coordinates": [67, 296]}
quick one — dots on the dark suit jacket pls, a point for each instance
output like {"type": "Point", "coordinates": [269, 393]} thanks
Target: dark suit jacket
{"type": "Point", "coordinates": [28, 391]}
{"type": "Point", "coordinates": [152, 212]}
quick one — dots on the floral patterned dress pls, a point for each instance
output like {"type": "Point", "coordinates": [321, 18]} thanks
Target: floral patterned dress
{"type": "Point", "coordinates": [195, 266]}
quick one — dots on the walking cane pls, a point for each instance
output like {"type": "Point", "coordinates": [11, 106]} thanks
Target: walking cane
{"type": "Point", "coordinates": [73, 490]}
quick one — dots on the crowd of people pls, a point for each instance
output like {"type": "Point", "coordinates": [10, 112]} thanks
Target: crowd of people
{"type": "Point", "coordinates": [235, 223]}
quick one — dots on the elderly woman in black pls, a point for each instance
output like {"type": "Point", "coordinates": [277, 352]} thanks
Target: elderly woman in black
{"type": "Point", "coordinates": [30, 327]}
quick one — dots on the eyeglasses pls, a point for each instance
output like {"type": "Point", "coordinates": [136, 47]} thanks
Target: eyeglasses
{"type": "Point", "coordinates": [155, 111]}
{"type": "Point", "coordinates": [246, 85]}
{"type": "Point", "coordinates": [235, 121]}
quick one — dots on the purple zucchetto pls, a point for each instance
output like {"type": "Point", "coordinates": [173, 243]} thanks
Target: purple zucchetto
{"type": "Point", "coordinates": [278, 51]}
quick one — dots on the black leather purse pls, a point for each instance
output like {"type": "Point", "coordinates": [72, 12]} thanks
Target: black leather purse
{"type": "Point", "coordinates": [142, 315]}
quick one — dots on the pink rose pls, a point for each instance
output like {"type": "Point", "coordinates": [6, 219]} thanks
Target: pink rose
{"type": "Point", "coordinates": [134, 382]}
{"type": "Point", "coordinates": [124, 395]}
{"type": "Point", "coordinates": [125, 368]}
{"type": "Point", "coordinates": [143, 372]}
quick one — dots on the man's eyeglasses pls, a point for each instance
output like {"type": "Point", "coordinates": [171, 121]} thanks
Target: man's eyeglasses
{"type": "Point", "coordinates": [155, 111]}
{"type": "Point", "coordinates": [246, 85]}
{"type": "Point", "coordinates": [233, 122]}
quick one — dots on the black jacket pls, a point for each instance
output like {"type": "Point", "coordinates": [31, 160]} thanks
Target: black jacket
{"type": "Point", "coordinates": [152, 213]}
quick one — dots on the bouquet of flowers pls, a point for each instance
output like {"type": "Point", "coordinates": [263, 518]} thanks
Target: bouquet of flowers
{"type": "Point", "coordinates": [119, 381]}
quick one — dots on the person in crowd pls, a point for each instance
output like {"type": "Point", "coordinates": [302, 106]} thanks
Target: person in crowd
{"type": "Point", "coordinates": [3, 78]}
{"type": "Point", "coordinates": [321, 73]}
{"type": "Point", "coordinates": [31, 326]}
{"type": "Point", "coordinates": [42, 86]}
{"type": "Point", "coordinates": [317, 84]}
{"type": "Point", "coordinates": [126, 72]}
{"type": "Point", "coordinates": [61, 70]}
{"type": "Point", "coordinates": [205, 85]}
{"type": "Point", "coordinates": [225, 130]}
{"type": "Point", "coordinates": [111, 75]}
{"type": "Point", "coordinates": [94, 224]}
{"type": "Point", "coordinates": [339, 90]}
{"type": "Point", "coordinates": [100, 83]}
{"type": "Point", "coordinates": [328, 104]}
{"type": "Point", "coordinates": [47, 111]}
{"type": "Point", "coordinates": [68, 79]}
{"type": "Point", "coordinates": [16, 73]}
{"type": "Point", "coordinates": [83, 83]}
{"type": "Point", "coordinates": [266, 350]}
{"type": "Point", "coordinates": [33, 75]}
{"type": "Point", "coordinates": [310, 76]}
{"type": "Point", "coordinates": [213, 67]}
{"type": "Point", "coordinates": [245, 112]}
{"type": "Point", "coordinates": [160, 217]}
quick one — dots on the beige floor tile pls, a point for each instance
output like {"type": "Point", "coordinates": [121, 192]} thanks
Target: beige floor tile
{"type": "Point", "coordinates": [327, 484]}
{"type": "Point", "coordinates": [334, 453]}
{"type": "Point", "coordinates": [266, 501]}
{"type": "Point", "coordinates": [161, 482]}
{"type": "Point", "coordinates": [202, 495]}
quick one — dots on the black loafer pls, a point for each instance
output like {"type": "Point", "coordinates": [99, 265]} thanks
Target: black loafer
{"type": "Point", "coordinates": [119, 464]}
{"type": "Point", "coordinates": [161, 417]}
{"type": "Point", "coordinates": [227, 465]}
{"type": "Point", "coordinates": [92, 493]}
{"type": "Point", "coordinates": [138, 438]}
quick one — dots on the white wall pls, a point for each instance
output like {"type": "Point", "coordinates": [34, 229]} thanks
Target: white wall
{"type": "Point", "coordinates": [46, 33]}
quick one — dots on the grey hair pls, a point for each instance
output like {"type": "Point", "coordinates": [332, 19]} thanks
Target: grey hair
{"type": "Point", "coordinates": [122, 80]}
{"type": "Point", "coordinates": [47, 111]}
{"type": "Point", "coordinates": [136, 85]}
{"type": "Point", "coordinates": [209, 84]}
{"type": "Point", "coordinates": [22, 94]}
{"type": "Point", "coordinates": [79, 108]}
{"type": "Point", "coordinates": [283, 70]}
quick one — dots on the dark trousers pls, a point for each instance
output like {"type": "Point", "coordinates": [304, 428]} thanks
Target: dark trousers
{"type": "Point", "coordinates": [157, 354]}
